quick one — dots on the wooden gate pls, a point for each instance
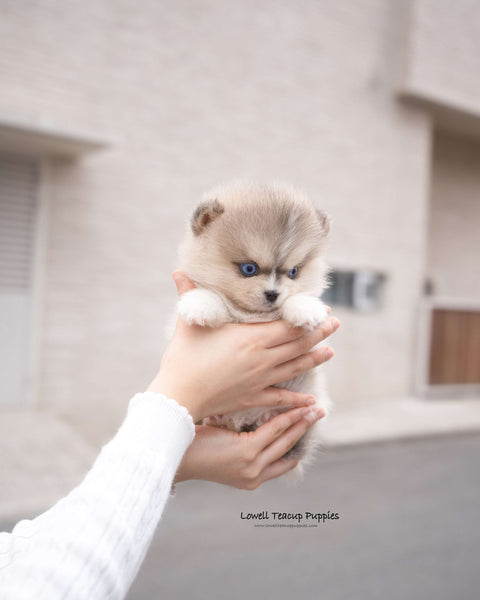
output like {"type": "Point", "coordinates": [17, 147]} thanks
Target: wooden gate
{"type": "Point", "coordinates": [454, 347]}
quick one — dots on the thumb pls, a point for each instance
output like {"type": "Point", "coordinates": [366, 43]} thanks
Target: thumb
{"type": "Point", "coordinates": [183, 283]}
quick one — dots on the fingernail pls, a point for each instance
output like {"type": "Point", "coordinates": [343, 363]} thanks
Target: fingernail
{"type": "Point", "coordinates": [328, 353]}
{"type": "Point", "coordinates": [311, 400]}
{"type": "Point", "coordinates": [335, 323]}
{"type": "Point", "coordinates": [312, 416]}
{"type": "Point", "coordinates": [304, 411]}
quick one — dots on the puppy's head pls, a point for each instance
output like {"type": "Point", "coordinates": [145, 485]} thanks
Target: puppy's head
{"type": "Point", "coordinates": [256, 245]}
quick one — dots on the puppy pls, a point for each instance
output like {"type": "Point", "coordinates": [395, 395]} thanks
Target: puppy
{"type": "Point", "coordinates": [256, 253]}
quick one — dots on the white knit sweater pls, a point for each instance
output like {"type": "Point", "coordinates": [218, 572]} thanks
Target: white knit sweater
{"type": "Point", "coordinates": [92, 542]}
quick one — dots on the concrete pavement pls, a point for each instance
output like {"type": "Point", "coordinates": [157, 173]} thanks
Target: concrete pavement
{"type": "Point", "coordinates": [408, 528]}
{"type": "Point", "coordinates": [408, 523]}
{"type": "Point", "coordinates": [43, 458]}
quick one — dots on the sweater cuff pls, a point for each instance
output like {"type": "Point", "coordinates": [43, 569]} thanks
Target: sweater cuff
{"type": "Point", "coordinates": [159, 424]}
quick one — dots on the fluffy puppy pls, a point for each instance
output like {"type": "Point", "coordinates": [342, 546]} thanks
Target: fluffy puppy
{"type": "Point", "coordinates": [256, 253]}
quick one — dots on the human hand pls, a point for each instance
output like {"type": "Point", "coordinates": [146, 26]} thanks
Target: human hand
{"type": "Point", "coordinates": [233, 367]}
{"type": "Point", "coordinates": [246, 460]}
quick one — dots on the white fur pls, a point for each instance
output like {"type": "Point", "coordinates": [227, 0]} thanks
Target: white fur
{"type": "Point", "coordinates": [203, 307]}
{"type": "Point", "coordinates": [304, 311]}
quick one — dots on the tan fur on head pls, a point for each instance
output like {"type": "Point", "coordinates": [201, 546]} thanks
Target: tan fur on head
{"type": "Point", "coordinates": [324, 221]}
{"type": "Point", "coordinates": [204, 214]}
{"type": "Point", "coordinates": [273, 226]}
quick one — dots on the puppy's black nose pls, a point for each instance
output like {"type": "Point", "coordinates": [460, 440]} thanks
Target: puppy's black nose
{"type": "Point", "coordinates": [271, 295]}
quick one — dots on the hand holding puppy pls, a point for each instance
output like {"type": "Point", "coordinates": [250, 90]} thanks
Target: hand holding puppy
{"type": "Point", "coordinates": [243, 460]}
{"type": "Point", "coordinates": [230, 368]}
{"type": "Point", "coordinates": [246, 460]}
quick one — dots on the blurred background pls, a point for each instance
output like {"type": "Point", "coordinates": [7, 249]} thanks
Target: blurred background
{"type": "Point", "coordinates": [115, 117]}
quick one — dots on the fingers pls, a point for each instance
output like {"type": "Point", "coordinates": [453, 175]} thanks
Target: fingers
{"type": "Point", "coordinates": [301, 364]}
{"type": "Point", "coordinates": [272, 430]}
{"type": "Point", "coordinates": [278, 397]}
{"type": "Point", "coordinates": [183, 283]}
{"type": "Point", "coordinates": [276, 332]}
{"type": "Point", "coordinates": [279, 332]}
{"type": "Point", "coordinates": [305, 343]}
{"type": "Point", "coordinates": [272, 441]}
{"type": "Point", "coordinates": [276, 469]}
{"type": "Point", "coordinates": [280, 446]}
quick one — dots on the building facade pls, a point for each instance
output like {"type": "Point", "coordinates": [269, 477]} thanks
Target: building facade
{"type": "Point", "coordinates": [115, 117]}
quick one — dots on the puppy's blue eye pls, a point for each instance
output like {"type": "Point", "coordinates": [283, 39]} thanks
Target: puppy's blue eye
{"type": "Point", "coordinates": [293, 273]}
{"type": "Point", "coordinates": [249, 269]}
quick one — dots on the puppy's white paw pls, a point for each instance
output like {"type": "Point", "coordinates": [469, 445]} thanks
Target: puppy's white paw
{"type": "Point", "coordinates": [203, 307]}
{"type": "Point", "coordinates": [304, 311]}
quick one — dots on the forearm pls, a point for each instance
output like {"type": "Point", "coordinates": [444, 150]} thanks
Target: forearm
{"type": "Point", "coordinates": [92, 542]}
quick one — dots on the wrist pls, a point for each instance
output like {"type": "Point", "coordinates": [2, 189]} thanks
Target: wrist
{"type": "Point", "coordinates": [161, 386]}
{"type": "Point", "coordinates": [194, 460]}
{"type": "Point", "coordinates": [180, 475]}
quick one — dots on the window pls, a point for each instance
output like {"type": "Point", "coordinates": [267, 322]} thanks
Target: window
{"type": "Point", "coordinates": [19, 185]}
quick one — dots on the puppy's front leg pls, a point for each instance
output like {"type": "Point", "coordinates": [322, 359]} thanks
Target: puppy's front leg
{"type": "Point", "coordinates": [302, 310]}
{"type": "Point", "coordinates": [203, 307]}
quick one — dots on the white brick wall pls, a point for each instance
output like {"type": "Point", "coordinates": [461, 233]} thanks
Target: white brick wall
{"type": "Point", "coordinates": [443, 53]}
{"type": "Point", "coordinates": [199, 93]}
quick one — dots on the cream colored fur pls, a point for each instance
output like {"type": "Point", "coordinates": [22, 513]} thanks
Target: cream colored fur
{"type": "Point", "coordinates": [277, 229]}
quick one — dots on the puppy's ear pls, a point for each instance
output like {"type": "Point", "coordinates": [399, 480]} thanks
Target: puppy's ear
{"type": "Point", "coordinates": [204, 214]}
{"type": "Point", "coordinates": [324, 220]}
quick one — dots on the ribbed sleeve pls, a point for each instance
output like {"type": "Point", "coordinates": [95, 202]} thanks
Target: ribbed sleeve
{"type": "Point", "coordinates": [92, 542]}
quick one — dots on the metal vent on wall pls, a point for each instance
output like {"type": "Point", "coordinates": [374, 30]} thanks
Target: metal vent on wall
{"type": "Point", "coordinates": [360, 290]}
{"type": "Point", "coordinates": [19, 185]}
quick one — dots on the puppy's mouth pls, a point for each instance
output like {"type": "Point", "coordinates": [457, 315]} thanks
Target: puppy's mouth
{"type": "Point", "coordinates": [256, 308]}
{"type": "Point", "coordinates": [270, 307]}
